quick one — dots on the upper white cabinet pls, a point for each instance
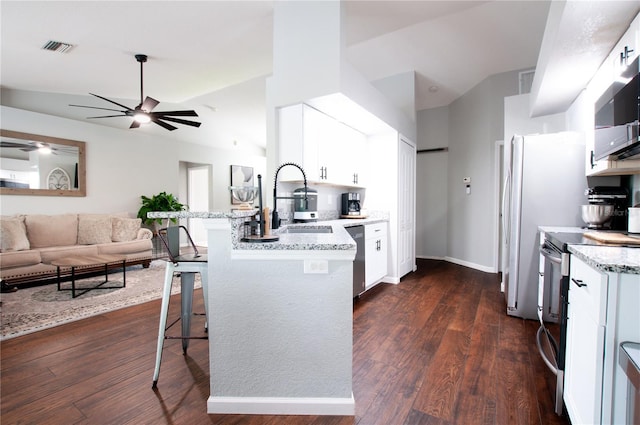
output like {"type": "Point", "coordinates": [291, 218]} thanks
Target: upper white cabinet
{"type": "Point", "coordinates": [625, 51]}
{"type": "Point", "coordinates": [329, 151]}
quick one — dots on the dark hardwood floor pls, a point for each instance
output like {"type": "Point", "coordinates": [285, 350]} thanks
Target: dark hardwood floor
{"type": "Point", "coordinates": [435, 349]}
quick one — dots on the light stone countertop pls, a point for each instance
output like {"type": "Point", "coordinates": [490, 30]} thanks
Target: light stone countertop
{"type": "Point", "coordinates": [338, 240]}
{"type": "Point", "coordinates": [609, 258]}
{"type": "Point", "coordinates": [612, 259]}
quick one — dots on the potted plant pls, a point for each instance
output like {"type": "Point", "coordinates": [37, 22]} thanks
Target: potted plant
{"type": "Point", "coordinates": [163, 201]}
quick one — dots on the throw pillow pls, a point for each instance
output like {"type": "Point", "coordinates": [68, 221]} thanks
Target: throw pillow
{"type": "Point", "coordinates": [94, 230]}
{"type": "Point", "coordinates": [51, 230]}
{"type": "Point", "coordinates": [124, 229]}
{"type": "Point", "coordinates": [13, 235]}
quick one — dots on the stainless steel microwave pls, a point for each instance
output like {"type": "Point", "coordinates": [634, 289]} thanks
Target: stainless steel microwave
{"type": "Point", "coordinates": [617, 113]}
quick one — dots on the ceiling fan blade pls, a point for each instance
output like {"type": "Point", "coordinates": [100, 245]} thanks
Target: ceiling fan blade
{"type": "Point", "coordinates": [13, 145]}
{"type": "Point", "coordinates": [107, 116]}
{"type": "Point", "coordinates": [180, 121]}
{"type": "Point", "coordinates": [95, 107]}
{"type": "Point", "coordinates": [111, 101]}
{"type": "Point", "coordinates": [148, 104]}
{"type": "Point", "coordinates": [163, 124]}
{"type": "Point", "coordinates": [176, 113]}
{"type": "Point", "coordinates": [134, 124]}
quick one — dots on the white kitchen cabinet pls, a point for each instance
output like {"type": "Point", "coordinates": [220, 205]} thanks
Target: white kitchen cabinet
{"type": "Point", "coordinates": [375, 236]}
{"type": "Point", "coordinates": [585, 344]}
{"type": "Point", "coordinates": [602, 313]}
{"type": "Point", "coordinates": [329, 151]}
{"type": "Point", "coordinates": [622, 54]}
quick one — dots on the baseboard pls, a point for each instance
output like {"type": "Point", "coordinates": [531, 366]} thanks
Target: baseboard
{"type": "Point", "coordinates": [281, 406]}
{"type": "Point", "coordinates": [480, 267]}
{"type": "Point", "coordinates": [429, 257]}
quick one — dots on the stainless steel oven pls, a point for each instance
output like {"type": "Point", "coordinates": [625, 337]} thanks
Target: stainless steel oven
{"type": "Point", "coordinates": [553, 287]}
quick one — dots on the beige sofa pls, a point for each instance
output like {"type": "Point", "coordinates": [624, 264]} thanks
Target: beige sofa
{"type": "Point", "coordinates": [29, 243]}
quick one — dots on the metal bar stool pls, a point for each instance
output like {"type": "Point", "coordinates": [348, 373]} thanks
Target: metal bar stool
{"type": "Point", "coordinates": [187, 264]}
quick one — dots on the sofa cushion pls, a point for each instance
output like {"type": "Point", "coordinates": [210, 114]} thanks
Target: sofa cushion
{"type": "Point", "coordinates": [19, 259]}
{"type": "Point", "coordinates": [51, 230]}
{"type": "Point", "coordinates": [144, 246]}
{"type": "Point", "coordinates": [93, 229]}
{"type": "Point", "coordinates": [13, 235]}
{"type": "Point", "coordinates": [124, 229]}
{"type": "Point", "coordinates": [53, 253]}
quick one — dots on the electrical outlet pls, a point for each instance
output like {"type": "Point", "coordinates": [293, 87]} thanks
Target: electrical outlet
{"type": "Point", "coordinates": [316, 266]}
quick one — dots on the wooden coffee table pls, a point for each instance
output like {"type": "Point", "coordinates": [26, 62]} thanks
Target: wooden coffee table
{"type": "Point", "coordinates": [89, 263]}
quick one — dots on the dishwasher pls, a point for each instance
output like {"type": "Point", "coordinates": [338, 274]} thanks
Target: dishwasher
{"type": "Point", "coordinates": [357, 233]}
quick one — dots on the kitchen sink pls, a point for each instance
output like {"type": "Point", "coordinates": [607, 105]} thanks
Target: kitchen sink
{"type": "Point", "coordinates": [319, 229]}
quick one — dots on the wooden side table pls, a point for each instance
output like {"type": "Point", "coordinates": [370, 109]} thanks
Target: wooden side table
{"type": "Point", "coordinates": [90, 263]}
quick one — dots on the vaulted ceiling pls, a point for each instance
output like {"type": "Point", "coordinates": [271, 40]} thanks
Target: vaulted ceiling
{"type": "Point", "coordinates": [213, 56]}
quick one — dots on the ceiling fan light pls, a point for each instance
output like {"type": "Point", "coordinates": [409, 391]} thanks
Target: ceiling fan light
{"type": "Point", "coordinates": [141, 117]}
{"type": "Point", "coordinates": [45, 149]}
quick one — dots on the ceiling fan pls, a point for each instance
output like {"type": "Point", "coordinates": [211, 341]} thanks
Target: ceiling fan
{"type": "Point", "coordinates": [142, 113]}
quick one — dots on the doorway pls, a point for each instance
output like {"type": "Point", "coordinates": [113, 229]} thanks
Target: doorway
{"type": "Point", "coordinates": [198, 186]}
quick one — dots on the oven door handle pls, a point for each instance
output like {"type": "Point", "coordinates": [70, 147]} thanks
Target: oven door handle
{"type": "Point", "coordinates": [551, 364]}
{"type": "Point", "coordinates": [551, 255]}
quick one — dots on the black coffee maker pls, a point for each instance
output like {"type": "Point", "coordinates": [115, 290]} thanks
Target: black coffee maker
{"type": "Point", "coordinates": [611, 195]}
{"type": "Point", "coordinates": [350, 203]}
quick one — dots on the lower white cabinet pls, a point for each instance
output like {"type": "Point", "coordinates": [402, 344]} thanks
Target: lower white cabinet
{"type": "Point", "coordinates": [375, 236]}
{"type": "Point", "coordinates": [585, 344]}
{"type": "Point", "coordinates": [603, 312]}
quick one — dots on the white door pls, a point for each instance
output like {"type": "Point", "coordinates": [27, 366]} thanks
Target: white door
{"type": "Point", "coordinates": [198, 200]}
{"type": "Point", "coordinates": [406, 206]}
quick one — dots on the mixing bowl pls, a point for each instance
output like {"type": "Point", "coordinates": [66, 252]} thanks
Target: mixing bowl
{"type": "Point", "coordinates": [596, 215]}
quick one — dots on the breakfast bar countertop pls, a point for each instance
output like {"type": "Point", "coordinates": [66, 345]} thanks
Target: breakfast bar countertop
{"type": "Point", "coordinates": [336, 240]}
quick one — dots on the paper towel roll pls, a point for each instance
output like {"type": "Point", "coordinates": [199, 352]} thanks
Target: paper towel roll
{"type": "Point", "coordinates": [634, 220]}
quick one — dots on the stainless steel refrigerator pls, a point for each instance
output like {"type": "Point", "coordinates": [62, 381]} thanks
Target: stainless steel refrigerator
{"type": "Point", "coordinates": [544, 185]}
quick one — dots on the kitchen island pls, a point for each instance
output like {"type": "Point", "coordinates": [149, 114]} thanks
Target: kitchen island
{"type": "Point", "coordinates": [280, 319]}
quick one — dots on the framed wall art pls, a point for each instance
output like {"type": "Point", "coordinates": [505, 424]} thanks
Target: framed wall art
{"type": "Point", "coordinates": [241, 176]}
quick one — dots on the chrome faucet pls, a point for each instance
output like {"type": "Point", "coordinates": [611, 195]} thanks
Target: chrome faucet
{"type": "Point", "coordinates": [275, 220]}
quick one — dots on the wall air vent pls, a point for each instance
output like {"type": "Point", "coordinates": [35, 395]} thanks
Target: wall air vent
{"type": "Point", "coordinates": [57, 46]}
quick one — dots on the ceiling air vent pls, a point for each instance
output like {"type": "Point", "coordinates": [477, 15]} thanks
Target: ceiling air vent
{"type": "Point", "coordinates": [526, 80]}
{"type": "Point", "coordinates": [57, 46]}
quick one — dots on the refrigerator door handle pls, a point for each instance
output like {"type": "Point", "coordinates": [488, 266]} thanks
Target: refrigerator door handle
{"type": "Point", "coordinates": [506, 189]}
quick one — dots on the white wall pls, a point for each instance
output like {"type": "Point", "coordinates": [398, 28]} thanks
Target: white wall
{"type": "Point", "coordinates": [122, 165]}
{"type": "Point", "coordinates": [476, 121]}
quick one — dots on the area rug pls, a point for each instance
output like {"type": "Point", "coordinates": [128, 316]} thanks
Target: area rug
{"type": "Point", "coordinates": [32, 309]}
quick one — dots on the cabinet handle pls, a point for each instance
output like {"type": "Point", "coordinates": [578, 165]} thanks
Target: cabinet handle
{"type": "Point", "coordinates": [593, 164]}
{"type": "Point", "coordinates": [355, 178]}
{"type": "Point", "coordinates": [578, 282]}
{"type": "Point", "coordinates": [624, 56]}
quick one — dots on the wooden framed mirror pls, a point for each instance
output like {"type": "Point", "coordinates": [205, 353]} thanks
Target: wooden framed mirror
{"type": "Point", "coordinates": [32, 164]}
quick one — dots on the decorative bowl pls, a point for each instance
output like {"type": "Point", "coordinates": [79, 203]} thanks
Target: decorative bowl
{"type": "Point", "coordinates": [244, 194]}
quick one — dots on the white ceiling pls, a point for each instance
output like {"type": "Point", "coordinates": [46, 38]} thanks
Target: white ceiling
{"type": "Point", "coordinates": [213, 56]}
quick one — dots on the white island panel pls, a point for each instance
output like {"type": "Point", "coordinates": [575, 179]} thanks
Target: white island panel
{"type": "Point", "coordinates": [280, 339]}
